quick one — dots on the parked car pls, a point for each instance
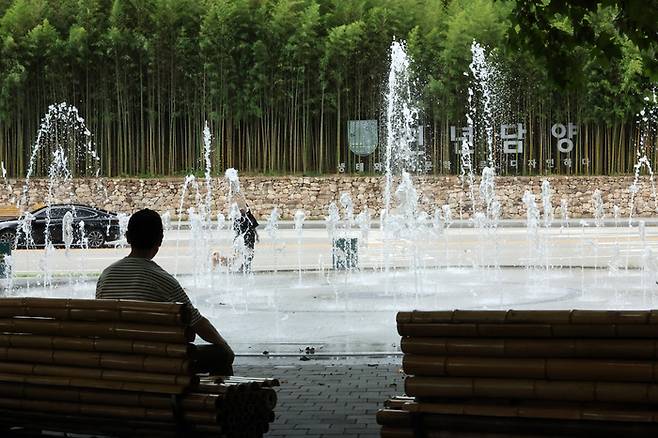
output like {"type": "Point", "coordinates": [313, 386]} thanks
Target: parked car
{"type": "Point", "coordinates": [100, 226]}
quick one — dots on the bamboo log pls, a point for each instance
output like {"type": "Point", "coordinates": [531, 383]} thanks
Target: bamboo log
{"type": "Point", "coordinates": [96, 373]}
{"type": "Point", "coordinates": [110, 411]}
{"type": "Point", "coordinates": [103, 304]}
{"type": "Point", "coordinates": [269, 398]}
{"type": "Point", "coordinates": [555, 390]}
{"type": "Point", "coordinates": [398, 401]}
{"type": "Point", "coordinates": [555, 369]}
{"type": "Point", "coordinates": [473, 330]}
{"type": "Point", "coordinates": [111, 330]}
{"type": "Point", "coordinates": [130, 362]}
{"type": "Point", "coordinates": [97, 310]}
{"type": "Point", "coordinates": [189, 402]}
{"type": "Point", "coordinates": [539, 409]}
{"type": "Point", "coordinates": [393, 417]}
{"type": "Point", "coordinates": [262, 381]}
{"type": "Point", "coordinates": [554, 317]}
{"type": "Point", "coordinates": [92, 383]}
{"type": "Point", "coordinates": [89, 424]}
{"type": "Point", "coordinates": [557, 348]}
{"type": "Point", "coordinates": [434, 425]}
{"type": "Point", "coordinates": [95, 315]}
{"type": "Point", "coordinates": [97, 345]}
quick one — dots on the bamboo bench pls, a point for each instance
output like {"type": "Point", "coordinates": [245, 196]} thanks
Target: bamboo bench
{"type": "Point", "coordinates": [529, 373]}
{"type": "Point", "coordinates": [118, 368]}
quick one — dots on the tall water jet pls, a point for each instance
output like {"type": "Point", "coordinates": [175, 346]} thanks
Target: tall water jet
{"type": "Point", "coordinates": [437, 223]}
{"type": "Point", "coordinates": [233, 182]}
{"type": "Point", "coordinates": [332, 220]}
{"type": "Point", "coordinates": [401, 122]}
{"type": "Point", "coordinates": [272, 230]}
{"type": "Point", "coordinates": [346, 202]}
{"type": "Point", "coordinates": [599, 213]}
{"type": "Point", "coordinates": [207, 149]}
{"type": "Point", "coordinates": [564, 212]}
{"type": "Point", "coordinates": [300, 216]}
{"type": "Point", "coordinates": [647, 122]}
{"type": "Point", "coordinates": [547, 205]}
{"type": "Point", "coordinates": [63, 150]}
{"type": "Point", "coordinates": [532, 224]}
{"type": "Point", "coordinates": [363, 220]}
{"type": "Point", "coordinates": [483, 74]}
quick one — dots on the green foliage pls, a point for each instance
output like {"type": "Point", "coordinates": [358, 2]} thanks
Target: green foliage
{"type": "Point", "coordinates": [555, 30]}
{"type": "Point", "coordinates": [278, 79]}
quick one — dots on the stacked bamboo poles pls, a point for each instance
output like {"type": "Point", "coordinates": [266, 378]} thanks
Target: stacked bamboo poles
{"type": "Point", "coordinates": [121, 368]}
{"type": "Point", "coordinates": [233, 408]}
{"type": "Point", "coordinates": [583, 373]}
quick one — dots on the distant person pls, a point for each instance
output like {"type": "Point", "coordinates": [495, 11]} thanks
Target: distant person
{"type": "Point", "coordinates": [138, 277]}
{"type": "Point", "coordinates": [246, 236]}
{"type": "Point", "coordinates": [245, 228]}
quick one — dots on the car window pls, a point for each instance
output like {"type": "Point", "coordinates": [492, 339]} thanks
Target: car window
{"type": "Point", "coordinates": [83, 213]}
{"type": "Point", "coordinates": [40, 214]}
{"type": "Point", "coordinates": [58, 212]}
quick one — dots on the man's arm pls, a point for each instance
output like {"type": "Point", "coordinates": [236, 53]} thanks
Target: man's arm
{"type": "Point", "coordinates": [208, 332]}
{"type": "Point", "coordinates": [199, 323]}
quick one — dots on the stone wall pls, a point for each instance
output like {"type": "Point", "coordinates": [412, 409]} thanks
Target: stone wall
{"type": "Point", "coordinates": [313, 194]}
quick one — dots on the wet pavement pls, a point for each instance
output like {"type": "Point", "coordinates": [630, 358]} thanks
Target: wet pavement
{"type": "Point", "coordinates": [329, 396]}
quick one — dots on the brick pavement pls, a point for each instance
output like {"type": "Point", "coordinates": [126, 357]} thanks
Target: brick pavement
{"type": "Point", "coordinates": [327, 397]}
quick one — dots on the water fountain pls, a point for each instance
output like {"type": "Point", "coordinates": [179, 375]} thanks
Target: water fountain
{"type": "Point", "coordinates": [414, 259]}
{"type": "Point", "coordinates": [63, 150]}
{"type": "Point", "coordinates": [300, 216]}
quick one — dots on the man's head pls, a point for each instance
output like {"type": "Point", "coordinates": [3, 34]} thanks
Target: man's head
{"type": "Point", "coordinates": [145, 232]}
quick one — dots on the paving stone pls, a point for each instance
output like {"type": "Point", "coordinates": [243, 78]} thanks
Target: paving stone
{"type": "Point", "coordinates": [338, 398]}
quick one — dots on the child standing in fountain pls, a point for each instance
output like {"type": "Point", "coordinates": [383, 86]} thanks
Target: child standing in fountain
{"type": "Point", "coordinates": [246, 236]}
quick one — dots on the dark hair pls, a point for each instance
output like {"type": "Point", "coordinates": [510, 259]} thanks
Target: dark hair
{"type": "Point", "coordinates": [145, 229]}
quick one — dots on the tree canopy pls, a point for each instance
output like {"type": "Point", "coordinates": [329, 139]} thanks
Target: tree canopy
{"type": "Point", "coordinates": [278, 79]}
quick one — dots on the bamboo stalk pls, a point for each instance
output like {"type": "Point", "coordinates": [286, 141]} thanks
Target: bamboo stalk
{"type": "Point", "coordinates": [97, 360]}
{"type": "Point", "coordinates": [532, 368]}
{"type": "Point", "coordinates": [91, 383]}
{"type": "Point", "coordinates": [95, 344]}
{"type": "Point", "coordinates": [112, 330]}
{"type": "Point", "coordinates": [494, 347]}
{"type": "Point", "coordinates": [89, 424]}
{"type": "Point", "coordinates": [557, 317]}
{"type": "Point", "coordinates": [192, 402]}
{"type": "Point", "coordinates": [96, 373]}
{"type": "Point", "coordinates": [472, 330]}
{"type": "Point", "coordinates": [393, 417]}
{"type": "Point", "coordinates": [437, 425]}
{"type": "Point", "coordinates": [103, 304]}
{"type": "Point", "coordinates": [555, 390]}
{"type": "Point", "coordinates": [537, 409]}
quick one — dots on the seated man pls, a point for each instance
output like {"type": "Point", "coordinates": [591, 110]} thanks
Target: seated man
{"type": "Point", "coordinates": [137, 277]}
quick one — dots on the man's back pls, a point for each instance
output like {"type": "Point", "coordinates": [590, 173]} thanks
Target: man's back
{"type": "Point", "coordinates": [137, 278]}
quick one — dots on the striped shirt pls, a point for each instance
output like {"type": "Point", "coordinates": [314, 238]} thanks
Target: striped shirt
{"type": "Point", "coordinates": [136, 278]}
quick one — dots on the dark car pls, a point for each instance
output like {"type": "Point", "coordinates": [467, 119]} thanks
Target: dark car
{"type": "Point", "coordinates": [100, 226]}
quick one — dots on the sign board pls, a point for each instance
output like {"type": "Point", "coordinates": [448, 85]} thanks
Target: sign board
{"type": "Point", "coordinates": [362, 136]}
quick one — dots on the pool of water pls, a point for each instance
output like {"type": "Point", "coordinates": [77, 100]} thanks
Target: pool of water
{"type": "Point", "coordinates": [354, 312]}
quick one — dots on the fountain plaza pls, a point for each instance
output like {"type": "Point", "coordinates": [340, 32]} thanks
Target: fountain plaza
{"type": "Point", "coordinates": [336, 285]}
{"type": "Point", "coordinates": [294, 298]}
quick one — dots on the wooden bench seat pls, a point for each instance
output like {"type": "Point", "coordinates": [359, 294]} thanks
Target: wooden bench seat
{"type": "Point", "coordinates": [526, 373]}
{"type": "Point", "coordinates": [118, 368]}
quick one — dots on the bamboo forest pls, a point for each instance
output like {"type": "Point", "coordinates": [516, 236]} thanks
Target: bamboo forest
{"type": "Point", "coordinates": [278, 81]}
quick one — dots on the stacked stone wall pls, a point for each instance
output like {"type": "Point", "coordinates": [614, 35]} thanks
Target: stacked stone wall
{"type": "Point", "coordinates": [313, 194]}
